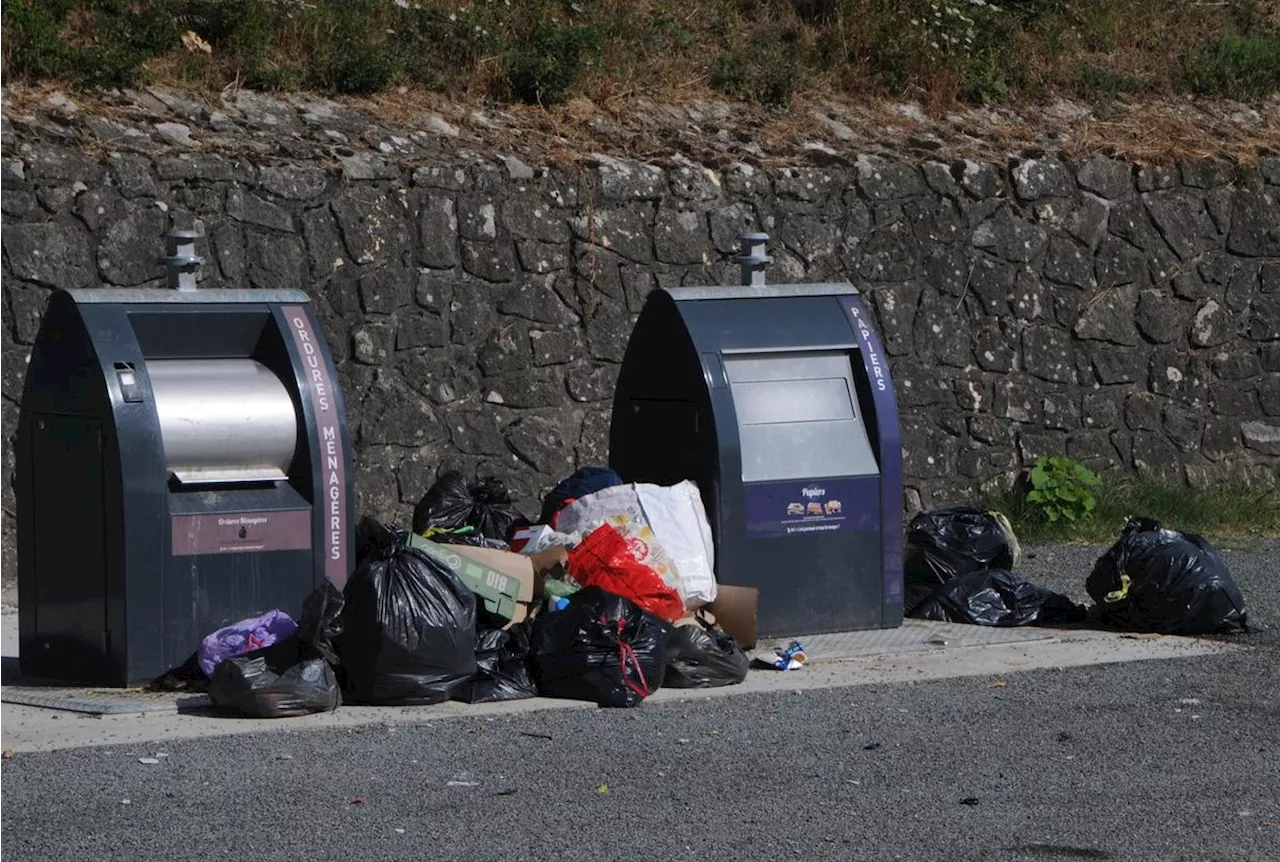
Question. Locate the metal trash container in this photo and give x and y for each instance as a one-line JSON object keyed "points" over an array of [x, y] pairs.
{"points": [[183, 462], [777, 401]]}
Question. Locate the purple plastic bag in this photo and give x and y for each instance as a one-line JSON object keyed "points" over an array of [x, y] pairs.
{"points": [[244, 636]]}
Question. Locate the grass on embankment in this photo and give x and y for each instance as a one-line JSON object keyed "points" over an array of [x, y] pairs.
{"points": [[764, 51], [1223, 514]]}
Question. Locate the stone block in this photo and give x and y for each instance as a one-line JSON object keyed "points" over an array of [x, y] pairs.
{"points": [[881, 179], [1011, 238], [50, 253], [981, 180], [374, 229], [1110, 178], [1048, 353], [1183, 221], [249, 208], [1099, 409], [438, 231], [543, 443], [940, 335], [1046, 177], [1261, 436], [1069, 263], [1119, 263], [1109, 317], [1160, 317], [1183, 427], [896, 309], [294, 182], [130, 250], [1143, 412], [681, 236], [275, 262]]}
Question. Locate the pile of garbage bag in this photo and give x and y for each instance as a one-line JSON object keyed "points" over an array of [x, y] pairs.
{"points": [[504, 666], [959, 561], [700, 655], [958, 567], [478, 605], [613, 595], [292, 676], [997, 597]]}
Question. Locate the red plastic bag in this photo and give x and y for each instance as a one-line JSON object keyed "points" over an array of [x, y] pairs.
{"points": [[605, 560]]}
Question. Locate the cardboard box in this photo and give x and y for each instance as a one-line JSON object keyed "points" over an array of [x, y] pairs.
{"points": [[735, 612], [506, 583], [496, 582]]}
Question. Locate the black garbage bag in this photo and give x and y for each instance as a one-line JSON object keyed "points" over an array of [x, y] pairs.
{"points": [[601, 648], [453, 502], [503, 666], [998, 597], [409, 625], [188, 677], [293, 676], [1159, 580], [703, 657], [948, 543], [587, 480]]}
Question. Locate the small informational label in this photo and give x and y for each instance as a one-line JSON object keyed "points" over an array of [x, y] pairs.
{"points": [[816, 506], [241, 532]]}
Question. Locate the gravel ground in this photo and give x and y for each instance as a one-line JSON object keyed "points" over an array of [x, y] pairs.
{"points": [[1156, 760]]}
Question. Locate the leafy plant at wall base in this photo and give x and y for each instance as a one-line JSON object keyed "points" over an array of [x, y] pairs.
{"points": [[1061, 488]]}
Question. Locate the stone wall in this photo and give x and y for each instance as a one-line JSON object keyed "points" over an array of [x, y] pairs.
{"points": [[477, 308]]}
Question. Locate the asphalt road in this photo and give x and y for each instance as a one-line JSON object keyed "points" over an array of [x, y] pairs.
{"points": [[1155, 760]]}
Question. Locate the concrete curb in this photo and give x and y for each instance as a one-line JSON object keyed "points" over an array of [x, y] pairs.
{"points": [[28, 728]]}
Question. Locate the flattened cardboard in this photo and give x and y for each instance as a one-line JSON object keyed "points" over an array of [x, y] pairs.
{"points": [[506, 563], [547, 561], [530, 571], [735, 612]]}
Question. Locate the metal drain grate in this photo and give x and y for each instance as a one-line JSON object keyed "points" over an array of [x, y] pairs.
{"points": [[101, 701], [911, 636]]}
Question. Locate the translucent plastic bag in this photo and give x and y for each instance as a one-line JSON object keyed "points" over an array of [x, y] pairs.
{"points": [[605, 559], [244, 637], [666, 528]]}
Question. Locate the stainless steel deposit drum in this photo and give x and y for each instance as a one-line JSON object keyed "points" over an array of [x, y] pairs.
{"points": [[223, 420]]}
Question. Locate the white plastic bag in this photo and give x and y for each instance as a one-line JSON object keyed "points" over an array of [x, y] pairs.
{"points": [[666, 528], [679, 524]]}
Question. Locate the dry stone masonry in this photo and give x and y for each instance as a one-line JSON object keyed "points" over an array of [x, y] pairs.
{"points": [[478, 306]]}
